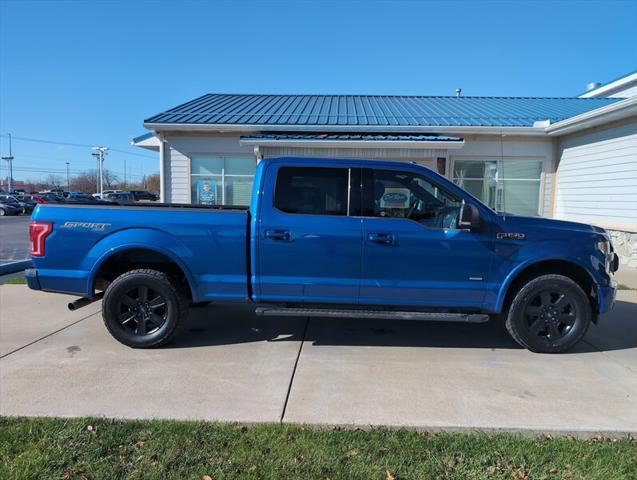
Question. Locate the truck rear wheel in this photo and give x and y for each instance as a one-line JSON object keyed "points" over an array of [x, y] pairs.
{"points": [[142, 308], [549, 314]]}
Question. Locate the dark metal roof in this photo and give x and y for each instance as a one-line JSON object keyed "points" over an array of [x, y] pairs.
{"points": [[376, 111], [349, 137]]}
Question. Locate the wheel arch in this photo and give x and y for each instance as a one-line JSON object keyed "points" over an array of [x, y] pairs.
{"points": [[567, 268], [131, 257]]}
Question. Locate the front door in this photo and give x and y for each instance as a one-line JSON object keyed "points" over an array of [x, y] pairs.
{"points": [[309, 242], [414, 252]]}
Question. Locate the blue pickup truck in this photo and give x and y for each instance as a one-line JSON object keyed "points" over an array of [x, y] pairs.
{"points": [[329, 238]]}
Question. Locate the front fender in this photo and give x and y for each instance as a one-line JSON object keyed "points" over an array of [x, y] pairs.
{"points": [[138, 238], [539, 252]]}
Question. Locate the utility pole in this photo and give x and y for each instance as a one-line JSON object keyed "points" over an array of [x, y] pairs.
{"points": [[68, 182], [9, 159], [99, 152], [125, 174]]}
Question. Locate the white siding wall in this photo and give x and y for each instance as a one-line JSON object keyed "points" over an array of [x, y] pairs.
{"points": [[178, 177], [597, 178]]}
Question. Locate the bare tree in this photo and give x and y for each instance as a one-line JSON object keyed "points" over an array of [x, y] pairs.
{"points": [[53, 181], [152, 183], [88, 182]]}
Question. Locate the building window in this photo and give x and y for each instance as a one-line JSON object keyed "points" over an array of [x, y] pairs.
{"points": [[216, 180], [505, 185]]}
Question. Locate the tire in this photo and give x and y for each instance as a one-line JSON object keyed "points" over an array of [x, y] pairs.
{"points": [[142, 308], [550, 314], [2, 212]]}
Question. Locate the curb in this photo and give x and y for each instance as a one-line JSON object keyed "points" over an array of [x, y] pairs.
{"points": [[14, 267]]}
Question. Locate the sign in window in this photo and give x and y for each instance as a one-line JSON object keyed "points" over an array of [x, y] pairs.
{"points": [[218, 180]]}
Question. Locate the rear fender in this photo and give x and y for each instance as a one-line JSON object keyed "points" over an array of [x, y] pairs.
{"points": [[139, 238]]}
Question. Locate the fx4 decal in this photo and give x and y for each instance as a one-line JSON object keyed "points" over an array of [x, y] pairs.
{"points": [[510, 236]]}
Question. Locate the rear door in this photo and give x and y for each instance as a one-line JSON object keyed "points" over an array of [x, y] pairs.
{"points": [[309, 241], [414, 252]]}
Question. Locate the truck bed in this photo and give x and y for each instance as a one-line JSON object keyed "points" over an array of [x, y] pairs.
{"points": [[207, 242]]}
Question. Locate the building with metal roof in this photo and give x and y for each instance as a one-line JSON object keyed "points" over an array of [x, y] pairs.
{"points": [[572, 158], [364, 111]]}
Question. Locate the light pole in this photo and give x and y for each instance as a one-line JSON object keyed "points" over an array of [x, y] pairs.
{"points": [[68, 182], [99, 152], [9, 159]]}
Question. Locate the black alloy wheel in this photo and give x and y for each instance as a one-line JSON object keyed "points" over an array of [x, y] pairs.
{"points": [[142, 310], [549, 314]]}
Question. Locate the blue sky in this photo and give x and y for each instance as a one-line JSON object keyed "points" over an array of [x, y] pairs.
{"points": [[89, 72]]}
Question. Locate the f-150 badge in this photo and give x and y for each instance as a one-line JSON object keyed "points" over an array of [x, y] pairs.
{"points": [[95, 227], [510, 236]]}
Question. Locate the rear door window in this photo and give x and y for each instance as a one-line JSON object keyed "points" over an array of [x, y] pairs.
{"points": [[312, 191]]}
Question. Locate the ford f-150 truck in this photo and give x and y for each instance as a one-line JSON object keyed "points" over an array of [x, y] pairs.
{"points": [[329, 238]]}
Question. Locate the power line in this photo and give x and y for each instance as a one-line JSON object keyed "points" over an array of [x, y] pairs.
{"points": [[80, 145], [73, 172]]}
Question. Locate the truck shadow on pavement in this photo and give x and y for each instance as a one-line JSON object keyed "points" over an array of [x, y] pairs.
{"points": [[227, 325]]}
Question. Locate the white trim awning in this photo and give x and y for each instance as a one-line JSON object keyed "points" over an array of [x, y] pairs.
{"points": [[148, 141], [334, 140]]}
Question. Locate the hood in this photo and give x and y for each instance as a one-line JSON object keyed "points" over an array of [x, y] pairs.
{"points": [[539, 222]]}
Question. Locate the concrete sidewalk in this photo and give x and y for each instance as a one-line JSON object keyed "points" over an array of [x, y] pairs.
{"points": [[228, 365]]}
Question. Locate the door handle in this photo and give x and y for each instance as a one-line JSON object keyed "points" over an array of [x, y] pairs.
{"points": [[281, 235], [382, 238]]}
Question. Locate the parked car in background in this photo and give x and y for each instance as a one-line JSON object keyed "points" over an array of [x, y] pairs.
{"points": [[85, 198], [46, 198], [26, 202], [119, 197], [105, 193], [57, 191], [26, 206], [144, 195], [8, 207], [11, 200]]}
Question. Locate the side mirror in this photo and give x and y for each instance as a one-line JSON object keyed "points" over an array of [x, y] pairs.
{"points": [[469, 217]]}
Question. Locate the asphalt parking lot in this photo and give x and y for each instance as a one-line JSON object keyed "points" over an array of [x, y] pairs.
{"points": [[229, 365], [14, 238]]}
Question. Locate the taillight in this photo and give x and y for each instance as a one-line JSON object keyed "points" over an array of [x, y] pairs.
{"points": [[38, 231]]}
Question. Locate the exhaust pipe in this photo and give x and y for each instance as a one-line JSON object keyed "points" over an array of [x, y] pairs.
{"points": [[83, 302]]}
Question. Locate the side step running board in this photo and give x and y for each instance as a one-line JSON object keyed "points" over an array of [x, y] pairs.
{"points": [[378, 314]]}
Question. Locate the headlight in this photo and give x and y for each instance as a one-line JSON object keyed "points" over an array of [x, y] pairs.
{"points": [[604, 247]]}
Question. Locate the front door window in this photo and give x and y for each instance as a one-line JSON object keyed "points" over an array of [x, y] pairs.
{"points": [[411, 196]]}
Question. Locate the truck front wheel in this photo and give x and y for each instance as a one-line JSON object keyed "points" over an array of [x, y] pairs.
{"points": [[142, 308], [549, 314]]}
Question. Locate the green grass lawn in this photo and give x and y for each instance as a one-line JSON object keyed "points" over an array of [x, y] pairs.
{"points": [[101, 448]]}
